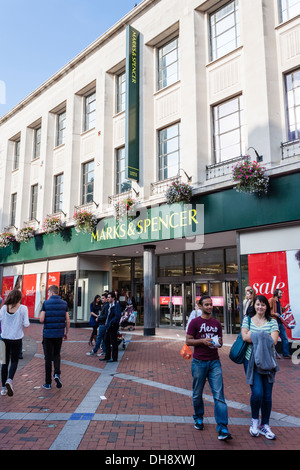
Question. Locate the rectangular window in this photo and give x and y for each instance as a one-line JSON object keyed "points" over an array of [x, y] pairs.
{"points": [[169, 152], [168, 64], [224, 30], [292, 83], [61, 128], [37, 143], [88, 183], [90, 112], [17, 146], [122, 184], [228, 138], [13, 207], [121, 92], [58, 192], [34, 200], [289, 9]]}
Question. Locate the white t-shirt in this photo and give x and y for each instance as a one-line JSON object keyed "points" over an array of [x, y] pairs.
{"points": [[12, 323], [193, 314]]}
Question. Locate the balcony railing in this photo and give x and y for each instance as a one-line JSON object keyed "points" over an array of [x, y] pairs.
{"points": [[160, 187], [290, 149], [217, 170]]}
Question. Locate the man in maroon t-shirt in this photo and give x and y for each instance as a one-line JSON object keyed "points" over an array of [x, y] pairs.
{"points": [[205, 334]]}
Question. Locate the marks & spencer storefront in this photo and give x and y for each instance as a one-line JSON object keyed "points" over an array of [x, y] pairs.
{"points": [[168, 256]]}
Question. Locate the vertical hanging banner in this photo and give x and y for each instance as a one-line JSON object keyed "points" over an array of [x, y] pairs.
{"points": [[132, 104]]}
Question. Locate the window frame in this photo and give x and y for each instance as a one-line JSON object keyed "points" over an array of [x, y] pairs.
{"points": [[16, 161], [217, 149], [33, 201], [287, 10], [121, 92], [89, 116], [161, 68], [58, 193], [61, 131], [214, 48], [294, 107], [37, 142], [13, 209], [120, 172], [162, 155], [85, 194]]}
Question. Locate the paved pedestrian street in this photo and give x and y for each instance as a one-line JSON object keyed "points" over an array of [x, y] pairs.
{"points": [[141, 402]]}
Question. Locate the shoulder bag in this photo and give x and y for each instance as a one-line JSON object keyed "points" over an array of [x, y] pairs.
{"points": [[238, 349]]}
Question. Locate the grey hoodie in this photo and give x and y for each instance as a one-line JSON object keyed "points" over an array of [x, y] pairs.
{"points": [[262, 357]]}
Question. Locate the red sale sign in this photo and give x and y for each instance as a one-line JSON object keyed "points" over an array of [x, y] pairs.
{"points": [[267, 272]]}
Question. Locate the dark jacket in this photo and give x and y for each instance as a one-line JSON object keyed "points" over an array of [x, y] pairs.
{"points": [[103, 314], [55, 317], [114, 316]]}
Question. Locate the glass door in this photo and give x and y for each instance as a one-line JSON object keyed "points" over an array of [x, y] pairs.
{"points": [[176, 305], [164, 304], [232, 323], [217, 295]]}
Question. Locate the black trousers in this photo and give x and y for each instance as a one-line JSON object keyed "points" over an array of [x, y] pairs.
{"points": [[52, 348], [12, 353], [111, 343]]}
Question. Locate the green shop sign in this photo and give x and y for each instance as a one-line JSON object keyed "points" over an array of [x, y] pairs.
{"points": [[157, 223], [150, 224], [132, 125]]}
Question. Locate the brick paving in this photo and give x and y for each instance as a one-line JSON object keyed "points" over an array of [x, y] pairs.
{"points": [[143, 402]]}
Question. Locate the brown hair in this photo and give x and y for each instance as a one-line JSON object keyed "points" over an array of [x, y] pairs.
{"points": [[14, 297], [54, 289]]}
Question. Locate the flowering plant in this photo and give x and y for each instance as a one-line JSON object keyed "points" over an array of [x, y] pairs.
{"points": [[6, 238], [85, 221], [124, 207], [178, 192], [52, 224], [250, 177], [25, 234]]}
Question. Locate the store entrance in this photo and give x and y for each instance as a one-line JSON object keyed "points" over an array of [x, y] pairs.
{"points": [[177, 300]]}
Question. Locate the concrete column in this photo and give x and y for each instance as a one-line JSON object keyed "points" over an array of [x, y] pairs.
{"points": [[149, 290]]}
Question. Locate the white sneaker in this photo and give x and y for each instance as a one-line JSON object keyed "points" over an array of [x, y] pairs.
{"points": [[8, 385], [3, 391], [265, 430], [254, 429]]}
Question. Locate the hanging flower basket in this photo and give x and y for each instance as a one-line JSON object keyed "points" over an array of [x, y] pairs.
{"points": [[250, 177], [53, 224], [124, 207], [85, 221], [178, 192], [25, 234], [6, 238]]}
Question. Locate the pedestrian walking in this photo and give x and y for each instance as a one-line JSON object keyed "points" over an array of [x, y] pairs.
{"points": [[248, 303], [56, 320], [101, 320], [13, 317], [112, 326], [95, 308], [194, 314], [276, 312], [260, 364], [205, 334]]}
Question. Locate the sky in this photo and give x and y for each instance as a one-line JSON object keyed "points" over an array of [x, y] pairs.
{"points": [[39, 37]]}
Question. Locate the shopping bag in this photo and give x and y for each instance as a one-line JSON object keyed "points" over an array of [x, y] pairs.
{"points": [[186, 352], [288, 319]]}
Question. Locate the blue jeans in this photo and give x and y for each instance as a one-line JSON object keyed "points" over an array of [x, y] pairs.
{"points": [[211, 370], [261, 396], [100, 339], [284, 339]]}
